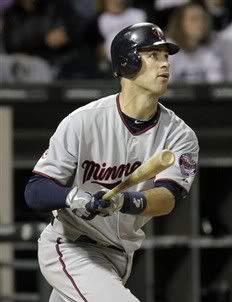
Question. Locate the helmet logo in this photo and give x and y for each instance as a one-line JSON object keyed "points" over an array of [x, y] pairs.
{"points": [[158, 34]]}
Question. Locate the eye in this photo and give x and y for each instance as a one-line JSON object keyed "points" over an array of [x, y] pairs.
{"points": [[153, 54]]}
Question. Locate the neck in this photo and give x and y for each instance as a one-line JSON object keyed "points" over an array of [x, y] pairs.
{"points": [[137, 103]]}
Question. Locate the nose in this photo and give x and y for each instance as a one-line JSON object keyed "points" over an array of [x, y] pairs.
{"points": [[164, 59], [165, 64]]}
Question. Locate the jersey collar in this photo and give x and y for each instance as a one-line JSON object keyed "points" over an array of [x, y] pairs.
{"points": [[136, 126]]}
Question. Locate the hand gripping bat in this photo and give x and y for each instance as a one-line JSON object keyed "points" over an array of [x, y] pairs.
{"points": [[151, 167]]}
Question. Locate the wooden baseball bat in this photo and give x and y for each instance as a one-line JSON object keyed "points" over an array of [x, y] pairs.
{"points": [[151, 167]]}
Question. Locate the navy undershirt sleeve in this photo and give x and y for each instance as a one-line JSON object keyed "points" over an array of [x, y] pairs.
{"points": [[178, 191], [45, 194]]}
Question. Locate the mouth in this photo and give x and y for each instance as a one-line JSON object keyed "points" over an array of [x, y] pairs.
{"points": [[164, 75]]}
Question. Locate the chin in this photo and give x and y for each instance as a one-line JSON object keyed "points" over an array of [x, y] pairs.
{"points": [[159, 91]]}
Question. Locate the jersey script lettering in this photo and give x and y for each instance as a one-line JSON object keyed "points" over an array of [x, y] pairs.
{"points": [[102, 172]]}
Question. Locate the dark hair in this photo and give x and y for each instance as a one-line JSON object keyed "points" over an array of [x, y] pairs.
{"points": [[175, 30]]}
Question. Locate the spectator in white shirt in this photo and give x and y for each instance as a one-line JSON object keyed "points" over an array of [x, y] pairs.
{"points": [[198, 61]]}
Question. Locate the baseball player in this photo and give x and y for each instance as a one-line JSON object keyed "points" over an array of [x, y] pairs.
{"points": [[86, 252]]}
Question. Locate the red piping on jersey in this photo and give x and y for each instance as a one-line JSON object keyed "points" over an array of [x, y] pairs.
{"points": [[170, 180], [58, 242], [41, 174], [156, 119]]}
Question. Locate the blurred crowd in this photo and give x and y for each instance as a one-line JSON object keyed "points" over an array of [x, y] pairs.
{"points": [[48, 40]]}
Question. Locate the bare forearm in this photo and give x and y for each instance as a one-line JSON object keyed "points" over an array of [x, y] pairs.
{"points": [[160, 201]]}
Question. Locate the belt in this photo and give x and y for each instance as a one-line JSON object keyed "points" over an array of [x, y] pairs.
{"points": [[86, 239]]}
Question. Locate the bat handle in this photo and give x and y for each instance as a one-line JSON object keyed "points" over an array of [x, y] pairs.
{"points": [[109, 194]]}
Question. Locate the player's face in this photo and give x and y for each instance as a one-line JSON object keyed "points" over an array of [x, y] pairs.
{"points": [[154, 73]]}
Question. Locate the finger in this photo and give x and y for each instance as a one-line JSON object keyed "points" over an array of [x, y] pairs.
{"points": [[99, 194], [102, 204]]}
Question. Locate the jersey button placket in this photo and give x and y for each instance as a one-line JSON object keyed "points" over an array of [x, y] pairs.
{"points": [[133, 150]]}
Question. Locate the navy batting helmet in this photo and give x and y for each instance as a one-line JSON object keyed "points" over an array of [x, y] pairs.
{"points": [[125, 58]]}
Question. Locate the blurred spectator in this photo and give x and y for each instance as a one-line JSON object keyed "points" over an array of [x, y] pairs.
{"points": [[226, 46], [114, 15], [18, 68], [220, 12], [4, 5], [159, 11], [49, 29], [86, 8], [198, 61]]}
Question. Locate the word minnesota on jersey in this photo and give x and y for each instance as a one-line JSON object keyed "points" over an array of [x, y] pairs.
{"points": [[101, 172]]}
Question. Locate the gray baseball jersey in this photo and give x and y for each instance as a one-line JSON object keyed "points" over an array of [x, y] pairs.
{"points": [[93, 148]]}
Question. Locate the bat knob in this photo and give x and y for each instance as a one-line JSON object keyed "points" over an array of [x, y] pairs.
{"points": [[167, 158]]}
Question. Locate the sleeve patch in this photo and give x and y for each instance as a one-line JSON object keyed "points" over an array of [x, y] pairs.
{"points": [[187, 165]]}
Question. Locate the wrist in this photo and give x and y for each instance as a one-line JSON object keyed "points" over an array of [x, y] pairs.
{"points": [[134, 203]]}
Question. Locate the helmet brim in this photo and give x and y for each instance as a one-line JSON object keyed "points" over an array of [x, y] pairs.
{"points": [[171, 47]]}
